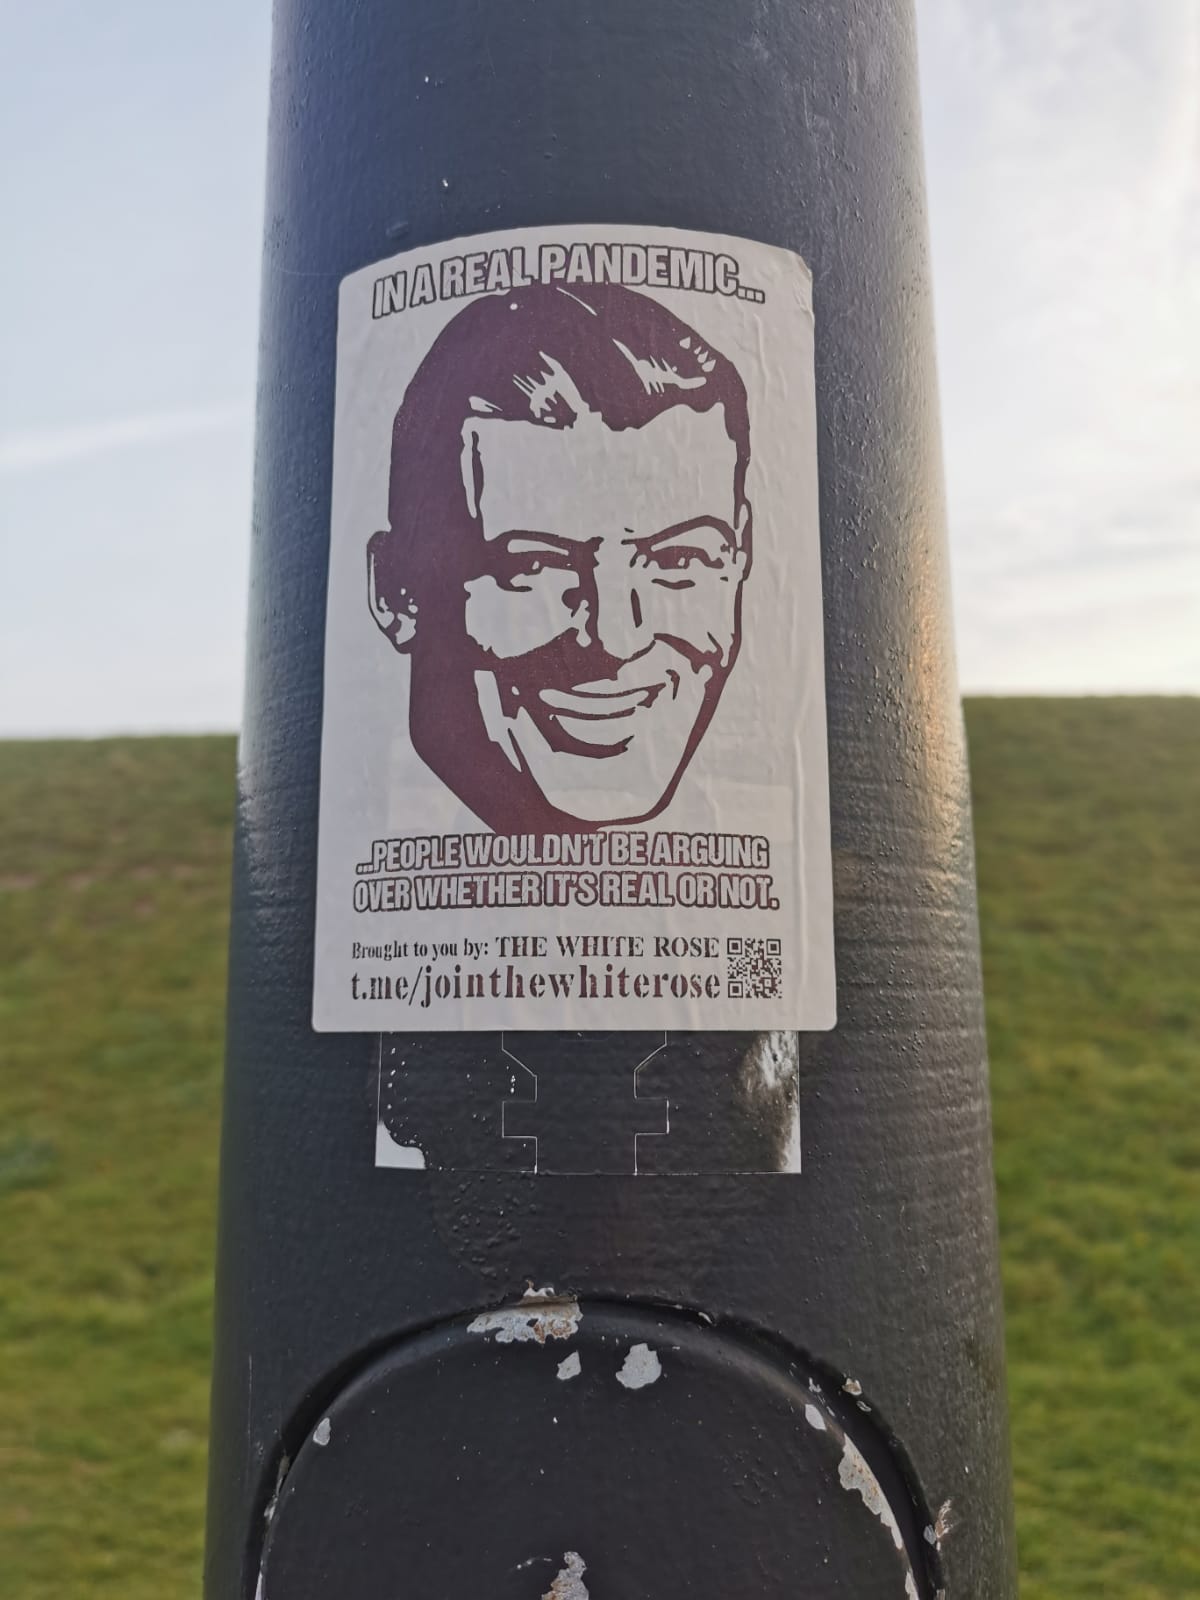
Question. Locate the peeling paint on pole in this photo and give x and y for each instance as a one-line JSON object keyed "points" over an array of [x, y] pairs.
{"points": [[640, 1367], [569, 1584], [537, 1318]]}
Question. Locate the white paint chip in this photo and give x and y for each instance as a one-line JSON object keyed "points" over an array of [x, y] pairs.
{"points": [[539, 1316], [322, 1431], [814, 1419], [641, 1367], [852, 1386], [569, 1584], [273, 1503], [943, 1524], [570, 1367], [856, 1476]]}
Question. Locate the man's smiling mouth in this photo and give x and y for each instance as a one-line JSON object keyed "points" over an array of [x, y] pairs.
{"points": [[596, 709], [594, 703]]}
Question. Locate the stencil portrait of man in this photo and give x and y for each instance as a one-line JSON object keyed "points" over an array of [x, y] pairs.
{"points": [[567, 544]]}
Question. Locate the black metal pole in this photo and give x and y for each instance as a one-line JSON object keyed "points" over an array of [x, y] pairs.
{"points": [[550, 1376]]}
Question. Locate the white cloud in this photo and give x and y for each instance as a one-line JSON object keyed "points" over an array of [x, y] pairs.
{"points": [[32, 449], [122, 605], [1064, 155]]}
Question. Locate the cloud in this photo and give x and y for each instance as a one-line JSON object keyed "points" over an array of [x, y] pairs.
{"points": [[33, 449], [1064, 155]]}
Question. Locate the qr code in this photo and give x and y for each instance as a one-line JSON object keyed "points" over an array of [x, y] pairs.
{"points": [[754, 969]]}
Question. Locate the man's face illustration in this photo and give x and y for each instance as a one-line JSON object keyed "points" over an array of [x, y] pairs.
{"points": [[600, 590], [565, 562]]}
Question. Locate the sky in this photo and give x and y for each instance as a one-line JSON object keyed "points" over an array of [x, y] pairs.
{"points": [[1063, 158]]}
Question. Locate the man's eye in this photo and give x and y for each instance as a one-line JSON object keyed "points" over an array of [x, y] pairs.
{"points": [[521, 566], [678, 558]]}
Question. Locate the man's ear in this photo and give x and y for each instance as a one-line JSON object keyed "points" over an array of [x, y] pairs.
{"points": [[395, 614], [743, 534]]}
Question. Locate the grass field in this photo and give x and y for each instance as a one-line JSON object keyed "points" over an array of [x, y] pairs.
{"points": [[113, 881]]}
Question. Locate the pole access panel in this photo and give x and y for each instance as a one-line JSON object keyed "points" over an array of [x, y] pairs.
{"points": [[606, 1199]]}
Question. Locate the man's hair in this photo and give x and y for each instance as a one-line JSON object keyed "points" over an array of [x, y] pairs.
{"points": [[534, 355]]}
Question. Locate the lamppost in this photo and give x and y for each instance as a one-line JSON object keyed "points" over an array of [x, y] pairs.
{"points": [[606, 1192]]}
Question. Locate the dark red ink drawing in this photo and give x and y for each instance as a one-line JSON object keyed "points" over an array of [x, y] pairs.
{"points": [[568, 539]]}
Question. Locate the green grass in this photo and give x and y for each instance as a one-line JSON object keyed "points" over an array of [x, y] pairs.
{"points": [[1088, 829], [114, 872], [113, 883]]}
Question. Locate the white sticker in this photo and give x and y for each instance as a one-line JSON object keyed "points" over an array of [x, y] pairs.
{"points": [[573, 765]]}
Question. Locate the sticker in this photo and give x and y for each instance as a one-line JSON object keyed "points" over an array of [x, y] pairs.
{"points": [[573, 766]]}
